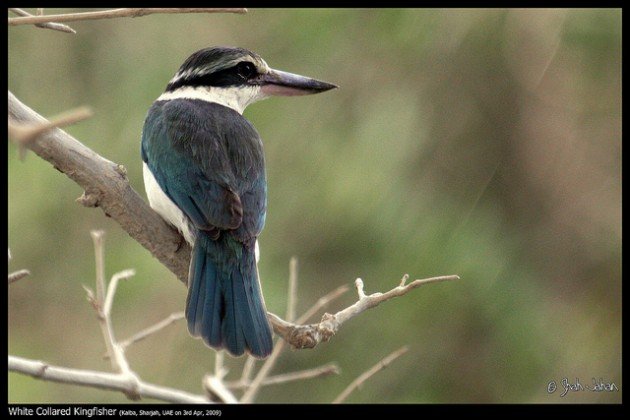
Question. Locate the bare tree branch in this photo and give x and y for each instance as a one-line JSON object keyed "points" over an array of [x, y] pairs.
{"points": [[292, 295], [111, 288], [102, 303], [18, 275], [141, 335], [115, 13], [125, 380], [101, 380], [308, 336], [98, 237], [368, 373], [48, 25]]}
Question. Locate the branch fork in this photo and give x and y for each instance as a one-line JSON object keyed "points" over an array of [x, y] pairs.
{"points": [[308, 336]]}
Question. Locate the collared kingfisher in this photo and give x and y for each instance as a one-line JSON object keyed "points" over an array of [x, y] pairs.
{"points": [[204, 173]]}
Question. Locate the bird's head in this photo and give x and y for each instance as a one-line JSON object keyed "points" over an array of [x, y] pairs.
{"points": [[237, 77]]}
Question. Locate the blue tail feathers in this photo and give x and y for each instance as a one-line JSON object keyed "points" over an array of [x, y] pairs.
{"points": [[225, 305]]}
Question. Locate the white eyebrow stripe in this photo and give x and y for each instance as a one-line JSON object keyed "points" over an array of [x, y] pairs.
{"points": [[260, 64]]}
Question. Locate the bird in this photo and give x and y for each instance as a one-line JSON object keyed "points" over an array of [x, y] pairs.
{"points": [[204, 173]]}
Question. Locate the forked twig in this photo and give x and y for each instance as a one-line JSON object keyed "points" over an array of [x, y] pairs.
{"points": [[47, 25]]}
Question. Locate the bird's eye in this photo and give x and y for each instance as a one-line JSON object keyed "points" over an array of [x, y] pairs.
{"points": [[245, 69]]}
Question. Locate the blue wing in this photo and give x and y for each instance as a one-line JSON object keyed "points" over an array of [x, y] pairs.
{"points": [[209, 161]]}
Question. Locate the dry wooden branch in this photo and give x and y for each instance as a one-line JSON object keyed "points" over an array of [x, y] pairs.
{"points": [[308, 336], [115, 13], [141, 335], [102, 380], [248, 369], [292, 293], [48, 25], [125, 380], [102, 303], [18, 275]]}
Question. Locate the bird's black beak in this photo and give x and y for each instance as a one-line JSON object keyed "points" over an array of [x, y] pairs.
{"points": [[281, 83]]}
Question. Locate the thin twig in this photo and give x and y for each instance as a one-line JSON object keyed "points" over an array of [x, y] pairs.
{"points": [[329, 369], [322, 302], [141, 335], [103, 306], [217, 390], [24, 134], [115, 13], [368, 373], [292, 295], [219, 369], [48, 25], [18, 275], [111, 289], [98, 237], [100, 380], [248, 368], [358, 283]]}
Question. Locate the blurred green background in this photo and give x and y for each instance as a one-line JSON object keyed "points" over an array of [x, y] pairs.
{"points": [[483, 143]]}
